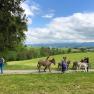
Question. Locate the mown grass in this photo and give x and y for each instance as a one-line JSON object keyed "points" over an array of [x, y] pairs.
{"points": [[72, 83], [31, 64]]}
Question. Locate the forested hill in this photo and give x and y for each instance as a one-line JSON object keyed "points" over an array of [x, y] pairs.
{"points": [[69, 45]]}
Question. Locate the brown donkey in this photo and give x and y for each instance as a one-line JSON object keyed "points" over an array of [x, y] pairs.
{"points": [[46, 64]]}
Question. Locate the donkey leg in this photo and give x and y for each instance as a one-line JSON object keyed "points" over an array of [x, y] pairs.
{"points": [[67, 67], [87, 69], [45, 69], [58, 66], [39, 68], [49, 69]]}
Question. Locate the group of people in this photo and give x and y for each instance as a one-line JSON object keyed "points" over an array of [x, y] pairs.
{"points": [[64, 63]]}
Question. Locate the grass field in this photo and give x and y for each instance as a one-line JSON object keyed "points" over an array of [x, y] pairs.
{"points": [[31, 64], [72, 83], [68, 83]]}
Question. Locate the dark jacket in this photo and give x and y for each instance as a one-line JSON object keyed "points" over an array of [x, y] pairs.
{"points": [[64, 65]]}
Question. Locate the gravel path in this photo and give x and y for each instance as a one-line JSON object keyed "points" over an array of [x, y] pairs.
{"points": [[36, 71]]}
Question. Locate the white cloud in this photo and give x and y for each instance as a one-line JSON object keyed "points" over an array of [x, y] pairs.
{"points": [[29, 20], [50, 15], [31, 9], [78, 27]]}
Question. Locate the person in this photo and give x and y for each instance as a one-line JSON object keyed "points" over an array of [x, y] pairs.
{"points": [[1, 64], [64, 64], [86, 60], [47, 58]]}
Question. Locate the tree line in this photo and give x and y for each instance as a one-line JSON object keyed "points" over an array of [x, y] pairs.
{"points": [[25, 52]]}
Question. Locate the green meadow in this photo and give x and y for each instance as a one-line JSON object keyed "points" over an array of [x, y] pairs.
{"points": [[68, 83], [32, 63]]}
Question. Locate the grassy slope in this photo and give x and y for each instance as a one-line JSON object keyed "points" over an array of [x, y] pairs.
{"points": [[75, 83], [31, 64]]}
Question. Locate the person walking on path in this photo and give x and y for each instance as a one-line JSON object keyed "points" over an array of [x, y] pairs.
{"points": [[64, 64], [1, 64], [47, 58]]}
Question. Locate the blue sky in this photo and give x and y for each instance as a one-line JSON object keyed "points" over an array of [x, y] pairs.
{"points": [[59, 21]]}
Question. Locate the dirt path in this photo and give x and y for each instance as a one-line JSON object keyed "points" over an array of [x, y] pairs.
{"points": [[36, 71]]}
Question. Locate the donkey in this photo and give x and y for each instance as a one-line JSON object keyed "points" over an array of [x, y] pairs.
{"points": [[46, 64]]}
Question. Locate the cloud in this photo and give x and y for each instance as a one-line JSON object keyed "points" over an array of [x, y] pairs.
{"points": [[51, 15], [30, 9], [29, 20], [78, 27]]}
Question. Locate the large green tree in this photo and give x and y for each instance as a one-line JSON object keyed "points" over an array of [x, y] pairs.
{"points": [[12, 24]]}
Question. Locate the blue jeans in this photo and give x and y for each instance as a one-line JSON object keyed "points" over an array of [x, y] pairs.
{"points": [[1, 68]]}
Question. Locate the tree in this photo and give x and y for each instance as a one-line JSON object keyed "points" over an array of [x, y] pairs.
{"points": [[82, 49], [12, 24], [69, 50]]}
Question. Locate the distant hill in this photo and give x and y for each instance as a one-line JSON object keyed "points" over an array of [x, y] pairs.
{"points": [[67, 45]]}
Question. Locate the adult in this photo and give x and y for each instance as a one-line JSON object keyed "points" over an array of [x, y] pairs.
{"points": [[1, 64], [47, 58], [64, 64]]}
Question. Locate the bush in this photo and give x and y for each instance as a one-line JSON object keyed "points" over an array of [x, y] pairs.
{"points": [[12, 55]]}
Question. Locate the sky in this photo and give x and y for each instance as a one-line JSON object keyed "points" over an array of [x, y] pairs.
{"points": [[59, 21]]}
